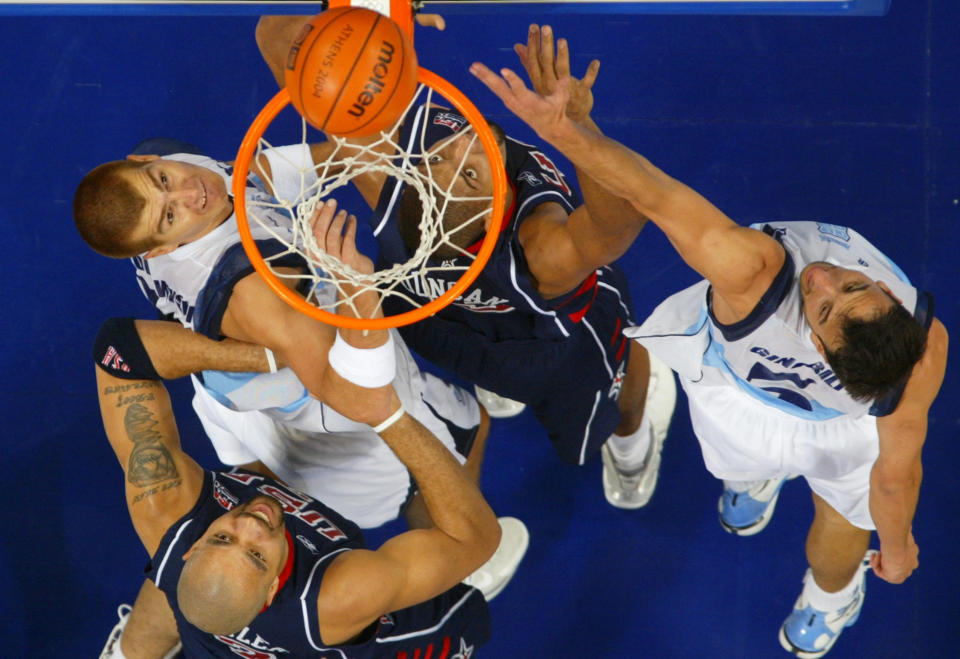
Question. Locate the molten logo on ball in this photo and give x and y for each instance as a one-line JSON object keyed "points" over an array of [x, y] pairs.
{"points": [[375, 83], [351, 72]]}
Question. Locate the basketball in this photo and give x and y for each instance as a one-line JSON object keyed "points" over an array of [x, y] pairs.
{"points": [[351, 72]]}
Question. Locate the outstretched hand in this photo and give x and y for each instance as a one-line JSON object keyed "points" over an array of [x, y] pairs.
{"points": [[546, 69], [544, 113], [336, 235]]}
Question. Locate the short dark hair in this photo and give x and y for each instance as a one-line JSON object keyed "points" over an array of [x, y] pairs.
{"points": [[877, 354], [106, 209]]}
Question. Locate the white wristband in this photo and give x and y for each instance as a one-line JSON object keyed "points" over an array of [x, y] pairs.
{"points": [[271, 360], [364, 367], [392, 419]]}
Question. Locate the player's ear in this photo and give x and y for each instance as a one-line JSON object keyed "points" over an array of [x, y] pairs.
{"points": [[886, 289], [189, 552], [142, 158], [272, 592], [818, 344]]}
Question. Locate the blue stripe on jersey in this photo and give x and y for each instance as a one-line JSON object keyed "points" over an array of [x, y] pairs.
{"points": [[221, 384], [766, 307], [233, 266], [714, 356]]}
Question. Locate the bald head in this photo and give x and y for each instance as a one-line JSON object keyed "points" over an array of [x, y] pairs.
{"points": [[217, 598]]}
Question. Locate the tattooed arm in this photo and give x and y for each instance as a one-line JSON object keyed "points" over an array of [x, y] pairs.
{"points": [[162, 482]]}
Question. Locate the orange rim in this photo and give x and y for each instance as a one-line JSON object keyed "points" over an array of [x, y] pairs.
{"points": [[242, 168]]}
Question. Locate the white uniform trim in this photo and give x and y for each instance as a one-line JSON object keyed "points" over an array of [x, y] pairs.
{"points": [[307, 627], [586, 428], [428, 630], [170, 547]]}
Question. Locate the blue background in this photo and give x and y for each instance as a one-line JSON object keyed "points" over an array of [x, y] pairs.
{"points": [[851, 120]]}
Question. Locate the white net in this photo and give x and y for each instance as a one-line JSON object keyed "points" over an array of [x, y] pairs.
{"points": [[434, 171]]}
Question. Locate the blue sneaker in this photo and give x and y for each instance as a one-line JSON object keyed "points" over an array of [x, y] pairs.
{"points": [[748, 511], [810, 633]]}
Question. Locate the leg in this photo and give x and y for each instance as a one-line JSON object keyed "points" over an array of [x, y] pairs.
{"points": [[150, 631], [835, 547], [633, 395], [631, 456], [834, 586]]}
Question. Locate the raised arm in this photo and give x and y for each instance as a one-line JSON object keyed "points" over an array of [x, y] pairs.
{"points": [[255, 314], [162, 482], [898, 471], [562, 251], [739, 262], [412, 567]]}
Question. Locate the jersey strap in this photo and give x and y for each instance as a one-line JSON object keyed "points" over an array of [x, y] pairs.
{"points": [[233, 266]]}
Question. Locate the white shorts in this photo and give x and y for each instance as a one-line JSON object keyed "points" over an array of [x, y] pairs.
{"points": [[744, 440], [353, 472]]}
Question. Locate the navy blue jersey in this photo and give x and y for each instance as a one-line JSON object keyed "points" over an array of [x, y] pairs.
{"points": [[502, 303], [565, 357], [289, 627]]}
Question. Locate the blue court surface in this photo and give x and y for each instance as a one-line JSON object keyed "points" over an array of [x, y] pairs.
{"points": [[850, 120]]}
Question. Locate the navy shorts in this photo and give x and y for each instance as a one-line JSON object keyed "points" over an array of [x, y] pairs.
{"points": [[572, 384]]}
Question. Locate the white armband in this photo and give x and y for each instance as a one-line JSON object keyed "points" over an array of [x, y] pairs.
{"points": [[390, 420], [364, 367], [271, 360], [287, 164]]}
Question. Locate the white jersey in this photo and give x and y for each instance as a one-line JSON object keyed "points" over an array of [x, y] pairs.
{"points": [[305, 442], [769, 355]]}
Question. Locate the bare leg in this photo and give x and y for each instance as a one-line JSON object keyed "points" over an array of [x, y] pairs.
{"points": [[417, 515], [633, 395], [835, 547], [151, 630]]}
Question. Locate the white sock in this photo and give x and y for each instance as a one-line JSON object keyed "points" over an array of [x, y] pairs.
{"points": [[630, 452], [824, 601]]}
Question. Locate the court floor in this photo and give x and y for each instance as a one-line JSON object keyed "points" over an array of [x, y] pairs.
{"points": [[851, 120]]}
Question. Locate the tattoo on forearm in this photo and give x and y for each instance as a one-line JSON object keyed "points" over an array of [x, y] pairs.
{"points": [[150, 462]]}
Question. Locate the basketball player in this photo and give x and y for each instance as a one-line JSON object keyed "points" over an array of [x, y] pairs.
{"points": [[173, 214], [242, 564], [542, 323], [804, 351]]}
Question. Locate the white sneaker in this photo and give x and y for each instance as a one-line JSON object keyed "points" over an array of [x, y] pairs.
{"points": [[113, 641], [631, 489], [497, 406], [494, 575], [112, 647], [808, 632]]}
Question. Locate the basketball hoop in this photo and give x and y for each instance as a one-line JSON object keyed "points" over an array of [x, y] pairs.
{"points": [[348, 160]]}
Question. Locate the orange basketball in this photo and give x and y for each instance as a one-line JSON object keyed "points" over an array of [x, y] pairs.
{"points": [[351, 72]]}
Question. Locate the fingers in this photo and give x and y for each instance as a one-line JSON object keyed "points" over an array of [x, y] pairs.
{"points": [[591, 75], [431, 20], [494, 83], [328, 226], [546, 49], [563, 58]]}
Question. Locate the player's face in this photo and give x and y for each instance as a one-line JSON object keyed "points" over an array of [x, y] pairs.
{"points": [[249, 540], [832, 293], [462, 160], [184, 201]]}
